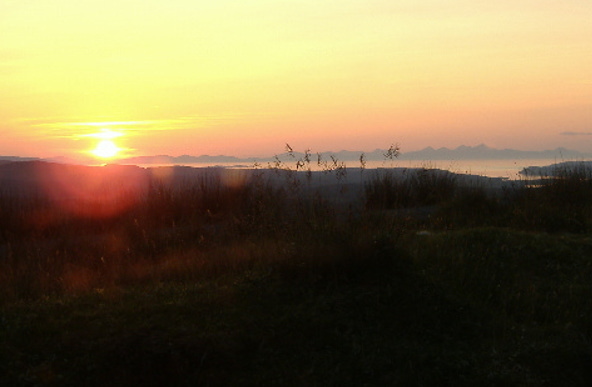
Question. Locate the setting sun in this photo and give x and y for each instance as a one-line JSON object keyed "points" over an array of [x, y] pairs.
{"points": [[105, 149]]}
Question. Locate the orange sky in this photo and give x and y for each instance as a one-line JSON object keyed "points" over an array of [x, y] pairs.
{"points": [[243, 78]]}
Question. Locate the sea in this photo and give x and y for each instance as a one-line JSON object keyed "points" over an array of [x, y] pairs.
{"points": [[497, 168]]}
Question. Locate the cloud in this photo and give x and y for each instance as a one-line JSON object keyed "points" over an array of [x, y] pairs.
{"points": [[576, 133], [77, 130], [52, 128]]}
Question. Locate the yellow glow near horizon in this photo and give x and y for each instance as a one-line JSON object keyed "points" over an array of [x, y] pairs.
{"points": [[106, 134]]}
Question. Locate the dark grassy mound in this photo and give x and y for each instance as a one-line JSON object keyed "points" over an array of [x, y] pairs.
{"points": [[260, 284]]}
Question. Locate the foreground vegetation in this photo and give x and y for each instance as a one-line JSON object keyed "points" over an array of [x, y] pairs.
{"points": [[425, 282]]}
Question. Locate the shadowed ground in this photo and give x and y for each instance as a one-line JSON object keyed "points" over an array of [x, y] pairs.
{"points": [[281, 278]]}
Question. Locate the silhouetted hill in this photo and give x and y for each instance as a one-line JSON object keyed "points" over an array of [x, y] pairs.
{"points": [[558, 169], [10, 159], [180, 160], [65, 184]]}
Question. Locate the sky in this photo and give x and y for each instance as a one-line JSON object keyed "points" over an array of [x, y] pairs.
{"points": [[244, 78]]}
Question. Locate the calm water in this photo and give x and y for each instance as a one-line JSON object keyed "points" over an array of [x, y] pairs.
{"points": [[491, 168]]}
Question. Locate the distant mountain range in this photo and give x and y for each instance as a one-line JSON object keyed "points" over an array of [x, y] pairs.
{"points": [[483, 152], [185, 159], [480, 152]]}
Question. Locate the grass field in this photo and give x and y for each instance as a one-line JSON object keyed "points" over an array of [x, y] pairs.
{"points": [[423, 281]]}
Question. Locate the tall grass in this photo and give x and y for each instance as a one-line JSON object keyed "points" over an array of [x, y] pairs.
{"points": [[45, 250], [172, 227], [561, 202], [421, 187], [558, 203]]}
